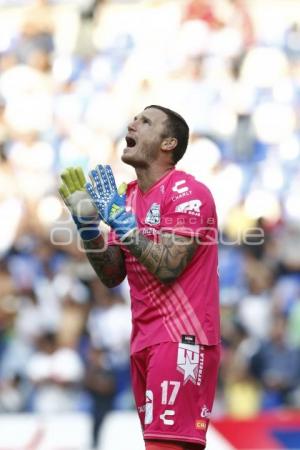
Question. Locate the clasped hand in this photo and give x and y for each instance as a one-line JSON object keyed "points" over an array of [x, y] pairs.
{"points": [[109, 201]]}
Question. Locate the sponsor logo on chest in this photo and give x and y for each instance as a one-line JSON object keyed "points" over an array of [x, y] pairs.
{"points": [[180, 189], [191, 207]]}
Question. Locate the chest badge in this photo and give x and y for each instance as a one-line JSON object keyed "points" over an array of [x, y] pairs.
{"points": [[153, 215]]}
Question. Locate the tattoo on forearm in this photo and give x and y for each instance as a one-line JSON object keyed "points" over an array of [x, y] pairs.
{"points": [[166, 259], [108, 264]]}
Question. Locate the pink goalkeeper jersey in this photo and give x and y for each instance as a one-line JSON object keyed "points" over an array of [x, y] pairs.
{"points": [[186, 310]]}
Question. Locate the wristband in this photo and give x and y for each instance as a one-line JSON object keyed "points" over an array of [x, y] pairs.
{"points": [[123, 223], [127, 234], [87, 228]]}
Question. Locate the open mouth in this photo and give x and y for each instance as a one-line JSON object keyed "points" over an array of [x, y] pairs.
{"points": [[131, 142]]}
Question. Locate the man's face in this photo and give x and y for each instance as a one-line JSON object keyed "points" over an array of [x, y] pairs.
{"points": [[145, 134]]}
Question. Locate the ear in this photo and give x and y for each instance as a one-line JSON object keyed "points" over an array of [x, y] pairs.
{"points": [[169, 144]]}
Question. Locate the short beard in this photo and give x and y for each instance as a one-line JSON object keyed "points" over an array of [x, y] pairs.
{"points": [[134, 163]]}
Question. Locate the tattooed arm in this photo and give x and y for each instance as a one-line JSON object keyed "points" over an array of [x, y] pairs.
{"points": [[166, 259], [107, 261]]}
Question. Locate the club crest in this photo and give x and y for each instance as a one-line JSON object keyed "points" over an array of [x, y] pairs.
{"points": [[153, 215]]}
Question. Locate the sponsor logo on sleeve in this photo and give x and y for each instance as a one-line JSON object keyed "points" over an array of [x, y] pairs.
{"points": [[191, 207]]}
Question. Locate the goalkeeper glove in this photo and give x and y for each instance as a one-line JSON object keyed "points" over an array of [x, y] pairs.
{"points": [[75, 197], [110, 202]]}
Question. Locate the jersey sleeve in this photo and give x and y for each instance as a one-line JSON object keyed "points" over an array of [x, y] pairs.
{"points": [[189, 210]]}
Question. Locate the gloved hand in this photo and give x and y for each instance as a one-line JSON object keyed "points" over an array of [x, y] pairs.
{"points": [[110, 202], [74, 195]]}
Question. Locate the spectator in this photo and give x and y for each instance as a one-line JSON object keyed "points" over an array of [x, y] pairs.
{"points": [[276, 364], [56, 374], [100, 381]]}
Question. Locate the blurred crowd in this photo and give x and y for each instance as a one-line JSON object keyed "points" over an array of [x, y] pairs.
{"points": [[72, 75]]}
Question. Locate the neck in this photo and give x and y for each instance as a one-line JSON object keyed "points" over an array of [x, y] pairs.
{"points": [[146, 177]]}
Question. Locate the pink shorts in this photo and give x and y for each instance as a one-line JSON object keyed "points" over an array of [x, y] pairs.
{"points": [[174, 386]]}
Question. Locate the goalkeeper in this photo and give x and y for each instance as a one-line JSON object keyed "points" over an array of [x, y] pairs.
{"points": [[164, 239]]}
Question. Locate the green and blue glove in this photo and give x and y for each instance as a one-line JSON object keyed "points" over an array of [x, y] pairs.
{"points": [[110, 202], [82, 209]]}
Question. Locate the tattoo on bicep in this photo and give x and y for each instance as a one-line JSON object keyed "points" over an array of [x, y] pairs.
{"points": [[108, 264], [165, 259], [178, 251]]}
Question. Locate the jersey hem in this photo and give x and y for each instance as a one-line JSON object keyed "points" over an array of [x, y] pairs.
{"points": [[174, 437]]}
